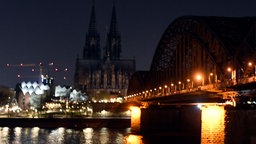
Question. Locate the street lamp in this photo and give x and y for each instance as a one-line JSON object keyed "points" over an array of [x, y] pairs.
{"points": [[150, 92], [160, 90], [165, 89], [210, 78], [229, 69], [199, 80], [172, 89], [198, 77], [232, 76], [250, 64], [188, 80], [179, 85]]}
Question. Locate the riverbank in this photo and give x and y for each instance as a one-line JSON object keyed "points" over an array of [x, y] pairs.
{"points": [[79, 123]]}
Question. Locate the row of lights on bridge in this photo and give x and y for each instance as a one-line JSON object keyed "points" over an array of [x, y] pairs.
{"points": [[199, 78], [250, 64], [173, 87]]}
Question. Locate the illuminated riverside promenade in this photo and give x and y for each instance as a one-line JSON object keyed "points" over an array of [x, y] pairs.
{"points": [[216, 125], [164, 122]]}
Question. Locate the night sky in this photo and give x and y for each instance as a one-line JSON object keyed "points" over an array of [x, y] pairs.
{"points": [[34, 31]]}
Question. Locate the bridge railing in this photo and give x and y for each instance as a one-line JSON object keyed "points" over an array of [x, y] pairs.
{"points": [[216, 87], [148, 95]]}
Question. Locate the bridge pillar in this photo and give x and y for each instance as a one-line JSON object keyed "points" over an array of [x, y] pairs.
{"points": [[168, 119]]}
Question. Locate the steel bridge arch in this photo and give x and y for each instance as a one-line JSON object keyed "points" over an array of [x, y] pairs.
{"points": [[193, 44]]}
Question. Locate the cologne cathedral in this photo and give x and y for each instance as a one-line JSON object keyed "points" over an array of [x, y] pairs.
{"points": [[103, 74]]}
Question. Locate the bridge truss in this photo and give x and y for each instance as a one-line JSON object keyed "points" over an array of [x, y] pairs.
{"points": [[196, 51]]}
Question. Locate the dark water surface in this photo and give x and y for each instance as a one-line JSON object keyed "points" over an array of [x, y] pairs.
{"points": [[218, 126], [62, 135]]}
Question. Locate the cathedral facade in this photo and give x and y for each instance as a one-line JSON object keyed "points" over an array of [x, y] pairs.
{"points": [[103, 74]]}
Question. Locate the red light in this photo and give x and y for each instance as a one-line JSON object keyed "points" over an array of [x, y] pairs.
{"points": [[32, 70], [56, 69], [18, 76], [64, 78], [21, 64]]}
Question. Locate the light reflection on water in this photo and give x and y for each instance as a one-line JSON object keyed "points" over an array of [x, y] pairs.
{"points": [[88, 134], [17, 134], [218, 126], [235, 126], [4, 133], [134, 139], [213, 125], [62, 135]]}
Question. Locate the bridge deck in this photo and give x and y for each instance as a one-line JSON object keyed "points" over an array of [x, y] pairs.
{"points": [[191, 97]]}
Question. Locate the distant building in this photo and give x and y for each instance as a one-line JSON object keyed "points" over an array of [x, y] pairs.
{"points": [[35, 95], [107, 74], [32, 94]]}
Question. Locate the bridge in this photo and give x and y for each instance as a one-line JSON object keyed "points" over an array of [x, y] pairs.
{"points": [[199, 61], [199, 58]]}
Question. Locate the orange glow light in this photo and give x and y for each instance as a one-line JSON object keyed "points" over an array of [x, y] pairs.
{"points": [[250, 64], [198, 77], [135, 118]]}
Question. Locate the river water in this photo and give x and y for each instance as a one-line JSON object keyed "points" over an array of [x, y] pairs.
{"points": [[62, 135], [218, 126]]}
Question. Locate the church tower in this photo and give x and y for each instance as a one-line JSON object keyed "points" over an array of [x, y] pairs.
{"points": [[113, 42], [92, 40], [104, 76]]}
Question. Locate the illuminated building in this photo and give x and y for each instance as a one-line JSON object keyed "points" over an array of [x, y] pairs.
{"points": [[103, 75], [32, 94]]}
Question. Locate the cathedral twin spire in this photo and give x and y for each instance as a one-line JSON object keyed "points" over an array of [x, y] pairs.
{"points": [[92, 39], [92, 42]]}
